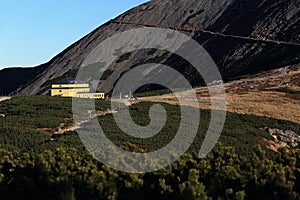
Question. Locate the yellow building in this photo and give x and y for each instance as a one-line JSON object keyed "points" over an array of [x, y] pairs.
{"points": [[72, 89], [90, 95]]}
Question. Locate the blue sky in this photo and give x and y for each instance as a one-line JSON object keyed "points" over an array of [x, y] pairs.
{"points": [[34, 31]]}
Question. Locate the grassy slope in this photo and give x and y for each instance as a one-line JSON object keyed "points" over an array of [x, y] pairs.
{"points": [[29, 122], [27, 118]]}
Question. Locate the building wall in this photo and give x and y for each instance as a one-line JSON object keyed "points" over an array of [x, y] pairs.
{"points": [[69, 90], [66, 92], [91, 95], [75, 90]]}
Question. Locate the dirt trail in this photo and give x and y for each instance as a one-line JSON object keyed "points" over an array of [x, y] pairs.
{"points": [[195, 30], [78, 125], [4, 98]]}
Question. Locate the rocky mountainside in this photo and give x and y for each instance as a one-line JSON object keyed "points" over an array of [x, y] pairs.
{"points": [[276, 20]]}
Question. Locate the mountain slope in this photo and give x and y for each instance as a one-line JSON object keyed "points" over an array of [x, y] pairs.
{"points": [[260, 19], [11, 78]]}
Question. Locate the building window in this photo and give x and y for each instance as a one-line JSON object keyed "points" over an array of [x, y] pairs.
{"points": [[60, 90]]}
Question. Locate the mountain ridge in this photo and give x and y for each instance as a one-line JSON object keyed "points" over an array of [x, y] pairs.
{"points": [[265, 19]]}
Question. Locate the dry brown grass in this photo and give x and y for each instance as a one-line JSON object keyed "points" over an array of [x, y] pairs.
{"points": [[257, 95], [273, 145]]}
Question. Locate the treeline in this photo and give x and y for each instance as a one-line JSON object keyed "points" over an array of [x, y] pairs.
{"points": [[223, 174]]}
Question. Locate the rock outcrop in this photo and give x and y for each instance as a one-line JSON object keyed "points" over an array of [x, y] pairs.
{"points": [[287, 138]]}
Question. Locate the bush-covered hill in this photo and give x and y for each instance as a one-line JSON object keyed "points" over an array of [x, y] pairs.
{"points": [[30, 121], [223, 174], [33, 167]]}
